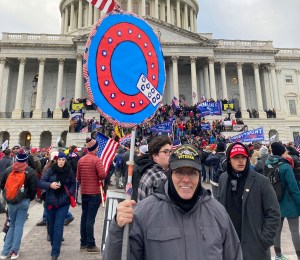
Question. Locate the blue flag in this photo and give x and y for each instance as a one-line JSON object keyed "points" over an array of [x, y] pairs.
{"points": [[162, 128]]}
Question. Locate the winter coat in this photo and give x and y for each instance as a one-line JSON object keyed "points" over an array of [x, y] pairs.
{"points": [[30, 183], [90, 171], [217, 164], [141, 164], [51, 198], [260, 211], [260, 218], [290, 203], [260, 164], [161, 230]]}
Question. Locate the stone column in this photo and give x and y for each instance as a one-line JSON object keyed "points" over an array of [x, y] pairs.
{"points": [[195, 22], [260, 107], [168, 11], [283, 106], [194, 80], [62, 24], [17, 113], [269, 96], [171, 89], [163, 11], [2, 66], [80, 14], [96, 14], [178, 22], [242, 90], [192, 19], [78, 82], [66, 19], [72, 17], [175, 76], [156, 9], [275, 87], [213, 91], [37, 113], [201, 84], [206, 80], [143, 7], [129, 5], [90, 15], [186, 17], [223, 79], [57, 112]]}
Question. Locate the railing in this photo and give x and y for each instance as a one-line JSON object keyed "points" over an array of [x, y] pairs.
{"points": [[289, 51], [5, 114], [26, 114], [26, 37], [242, 43]]}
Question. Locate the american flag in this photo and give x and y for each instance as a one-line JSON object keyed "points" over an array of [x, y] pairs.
{"points": [[106, 6], [176, 143], [107, 148], [62, 101], [203, 98]]}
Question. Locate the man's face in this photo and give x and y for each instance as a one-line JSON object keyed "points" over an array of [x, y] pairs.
{"points": [[238, 162], [185, 181], [15, 150], [162, 158]]}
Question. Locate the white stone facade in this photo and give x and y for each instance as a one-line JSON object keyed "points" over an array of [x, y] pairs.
{"points": [[254, 73]]}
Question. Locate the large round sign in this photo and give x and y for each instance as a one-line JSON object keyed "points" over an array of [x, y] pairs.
{"points": [[124, 69]]}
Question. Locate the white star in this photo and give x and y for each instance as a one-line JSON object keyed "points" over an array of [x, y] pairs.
{"points": [[150, 53], [130, 31], [152, 66], [106, 82], [122, 103], [141, 102], [132, 104], [110, 40], [148, 86], [103, 68], [113, 95], [144, 79], [145, 44], [153, 77], [139, 36], [104, 53], [119, 33]]}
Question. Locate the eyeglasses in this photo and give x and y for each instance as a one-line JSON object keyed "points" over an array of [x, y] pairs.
{"points": [[180, 173], [233, 185], [167, 152]]}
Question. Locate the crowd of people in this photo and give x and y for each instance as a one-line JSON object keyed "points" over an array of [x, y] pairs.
{"points": [[240, 217]]}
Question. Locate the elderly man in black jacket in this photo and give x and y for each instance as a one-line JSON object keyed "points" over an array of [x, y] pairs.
{"points": [[251, 203]]}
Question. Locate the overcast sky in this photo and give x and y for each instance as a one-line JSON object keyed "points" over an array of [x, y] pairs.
{"points": [[276, 20]]}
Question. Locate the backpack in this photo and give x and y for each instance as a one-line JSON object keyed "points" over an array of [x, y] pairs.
{"points": [[271, 171], [13, 190], [219, 168], [118, 161]]}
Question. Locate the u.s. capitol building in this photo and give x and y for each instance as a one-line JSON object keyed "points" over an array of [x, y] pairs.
{"points": [[253, 73]]}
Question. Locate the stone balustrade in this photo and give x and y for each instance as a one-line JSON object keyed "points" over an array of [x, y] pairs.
{"points": [[242, 43], [27, 37]]}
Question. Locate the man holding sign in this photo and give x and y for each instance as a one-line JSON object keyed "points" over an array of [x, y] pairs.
{"points": [[180, 220]]}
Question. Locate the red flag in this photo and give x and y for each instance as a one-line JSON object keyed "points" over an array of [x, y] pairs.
{"points": [[107, 148], [106, 6]]}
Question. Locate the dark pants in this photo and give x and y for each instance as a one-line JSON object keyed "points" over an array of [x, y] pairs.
{"points": [[90, 205], [56, 218]]}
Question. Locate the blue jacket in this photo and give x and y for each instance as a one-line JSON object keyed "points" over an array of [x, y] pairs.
{"points": [[290, 203], [51, 199]]}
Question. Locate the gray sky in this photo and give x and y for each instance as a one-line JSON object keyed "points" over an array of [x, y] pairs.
{"points": [[276, 20]]}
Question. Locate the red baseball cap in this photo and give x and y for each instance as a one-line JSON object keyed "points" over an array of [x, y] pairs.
{"points": [[238, 149]]}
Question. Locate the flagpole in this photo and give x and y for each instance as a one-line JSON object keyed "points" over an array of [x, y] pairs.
{"points": [[128, 192]]}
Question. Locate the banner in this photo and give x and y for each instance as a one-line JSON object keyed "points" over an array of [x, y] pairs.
{"points": [[162, 128], [4, 145], [210, 108], [238, 128], [255, 135], [205, 126], [77, 106]]}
